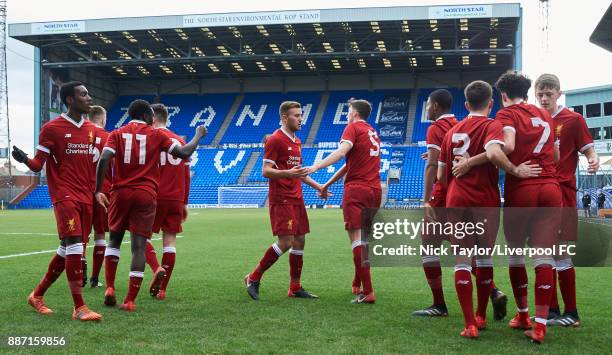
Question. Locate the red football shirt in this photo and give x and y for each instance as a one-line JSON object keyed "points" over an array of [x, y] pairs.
{"points": [[363, 160], [574, 136], [470, 137], [100, 142], [284, 152], [534, 142], [174, 172], [137, 147], [69, 146], [434, 138]]}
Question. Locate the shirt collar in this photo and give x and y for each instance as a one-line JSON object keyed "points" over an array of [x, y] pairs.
{"points": [[559, 109], [288, 135], [67, 118], [445, 116], [138, 121]]}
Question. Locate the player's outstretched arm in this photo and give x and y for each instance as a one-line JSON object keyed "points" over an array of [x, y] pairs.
{"points": [[269, 172], [101, 168], [462, 165], [333, 158], [35, 164], [186, 150], [593, 160], [496, 155], [324, 192]]}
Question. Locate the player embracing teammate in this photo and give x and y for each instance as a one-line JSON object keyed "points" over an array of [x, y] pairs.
{"points": [[136, 148]]}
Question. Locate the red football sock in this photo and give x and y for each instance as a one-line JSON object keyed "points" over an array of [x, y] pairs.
{"points": [[98, 257], [567, 285], [111, 261], [296, 260], [362, 264], [543, 288], [434, 279], [356, 280], [518, 279], [484, 278], [135, 282], [463, 286], [554, 299], [168, 260], [55, 269], [151, 256], [269, 258], [74, 272]]}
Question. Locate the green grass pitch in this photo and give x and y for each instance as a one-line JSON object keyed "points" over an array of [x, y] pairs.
{"points": [[208, 310]]}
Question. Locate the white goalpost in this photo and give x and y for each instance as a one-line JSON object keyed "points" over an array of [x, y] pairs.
{"points": [[241, 196]]}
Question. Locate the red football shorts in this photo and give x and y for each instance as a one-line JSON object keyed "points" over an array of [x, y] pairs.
{"points": [[73, 219], [100, 217], [533, 212], [169, 216], [569, 222], [289, 220], [355, 200], [485, 217], [132, 209]]}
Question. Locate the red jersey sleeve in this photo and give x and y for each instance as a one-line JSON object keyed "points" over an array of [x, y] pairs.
{"points": [[494, 134], [166, 143], [434, 137], [271, 150], [111, 143], [583, 137], [443, 152], [349, 135], [506, 119], [46, 140]]}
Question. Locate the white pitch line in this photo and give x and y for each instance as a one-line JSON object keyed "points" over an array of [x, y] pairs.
{"points": [[55, 250]]}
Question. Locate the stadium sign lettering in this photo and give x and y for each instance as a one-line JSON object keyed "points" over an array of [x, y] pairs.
{"points": [[57, 27], [442, 12], [254, 18]]}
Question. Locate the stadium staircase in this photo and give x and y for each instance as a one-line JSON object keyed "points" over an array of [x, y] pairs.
{"points": [[244, 177], [411, 116], [316, 123], [228, 119]]}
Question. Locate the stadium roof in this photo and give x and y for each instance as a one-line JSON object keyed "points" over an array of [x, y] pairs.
{"points": [[602, 35], [360, 40]]}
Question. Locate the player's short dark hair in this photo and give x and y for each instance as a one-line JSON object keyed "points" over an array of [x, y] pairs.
{"points": [[139, 108], [514, 84], [95, 112], [478, 94], [442, 97], [285, 106], [363, 108], [67, 90], [161, 112], [548, 81]]}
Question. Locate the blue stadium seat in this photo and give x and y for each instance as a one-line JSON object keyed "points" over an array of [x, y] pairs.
{"points": [[38, 198], [458, 109], [334, 118], [258, 116], [185, 112]]}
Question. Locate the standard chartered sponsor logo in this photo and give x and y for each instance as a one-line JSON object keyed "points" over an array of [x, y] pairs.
{"points": [[78, 148]]}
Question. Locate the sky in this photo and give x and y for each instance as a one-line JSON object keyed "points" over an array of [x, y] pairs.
{"points": [[571, 56]]}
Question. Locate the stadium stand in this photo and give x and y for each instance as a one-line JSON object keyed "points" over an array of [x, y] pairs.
{"points": [[38, 198], [458, 109], [335, 116], [258, 116], [185, 112]]}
